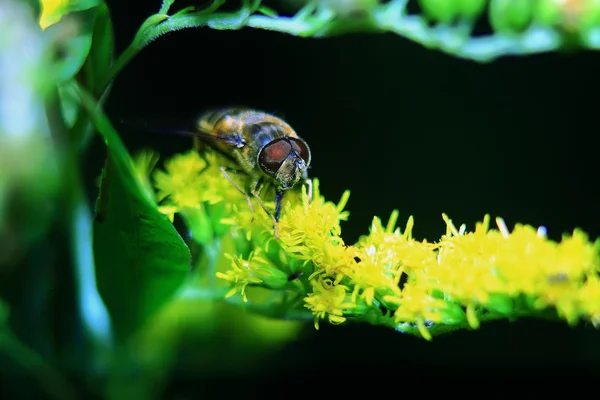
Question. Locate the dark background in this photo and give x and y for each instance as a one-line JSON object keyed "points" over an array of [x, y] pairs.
{"points": [[403, 128]]}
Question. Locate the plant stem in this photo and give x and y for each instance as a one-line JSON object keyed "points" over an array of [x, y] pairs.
{"points": [[272, 310]]}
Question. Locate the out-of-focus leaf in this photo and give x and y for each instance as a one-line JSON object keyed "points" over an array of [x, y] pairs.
{"points": [[69, 104], [141, 261], [100, 57], [71, 39], [30, 171]]}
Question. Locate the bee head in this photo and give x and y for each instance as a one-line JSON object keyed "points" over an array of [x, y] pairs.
{"points": [[285, 160]]}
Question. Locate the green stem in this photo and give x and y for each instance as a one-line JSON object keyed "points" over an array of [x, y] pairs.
{"points": [[322, 23], [273, 309], [166, 4], [51, 380], [442, 329], [270, 309]]}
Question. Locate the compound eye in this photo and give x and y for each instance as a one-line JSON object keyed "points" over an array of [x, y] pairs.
{"points": [[301, 148], [273, 155]]}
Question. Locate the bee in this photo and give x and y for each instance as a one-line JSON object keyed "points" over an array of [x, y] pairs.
{"points": [[262, 146]]}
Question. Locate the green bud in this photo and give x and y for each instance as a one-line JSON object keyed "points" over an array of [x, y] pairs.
{"points": [[360, 308], [548, 13], [272, 277], [590, 15], [452, 314], [444, 11], [471, 9], [509, 16], [501, 304]]}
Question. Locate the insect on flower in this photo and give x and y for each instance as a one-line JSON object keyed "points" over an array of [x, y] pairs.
{"points": [[261, 146]]}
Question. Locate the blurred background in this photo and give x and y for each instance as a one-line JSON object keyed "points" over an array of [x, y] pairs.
{"points": [[403, 128]]}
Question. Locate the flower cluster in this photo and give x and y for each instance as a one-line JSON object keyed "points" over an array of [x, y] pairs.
{"points": [[387, 277]]}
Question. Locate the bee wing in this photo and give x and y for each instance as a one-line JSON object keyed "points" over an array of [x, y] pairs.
{"points": [[205, 135]]}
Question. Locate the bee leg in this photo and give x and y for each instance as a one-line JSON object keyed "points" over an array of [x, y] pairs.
{"points": [[278, 199], [309, 190], [256, 194], [234, 183], [198, 145]]}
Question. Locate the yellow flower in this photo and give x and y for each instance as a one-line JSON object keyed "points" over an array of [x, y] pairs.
{"points": [[328, 300], [416, 304], [310, 223], [371, 275], [589, 299], [475, 269], [189, 180], [310, 232], [474, 266], [52, 11], [466, 267], [253, 271], [385, 254], [530, 262], [181, 179]]}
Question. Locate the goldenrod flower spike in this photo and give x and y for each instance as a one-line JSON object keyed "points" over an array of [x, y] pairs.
{"points": [[387, 277]]}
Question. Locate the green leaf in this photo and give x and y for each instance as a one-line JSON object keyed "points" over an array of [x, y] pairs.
{"points": [[69, 104], [141, 37], [100, 56], [72, 40], [184, 11], [97, 60], [141, 261]]}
